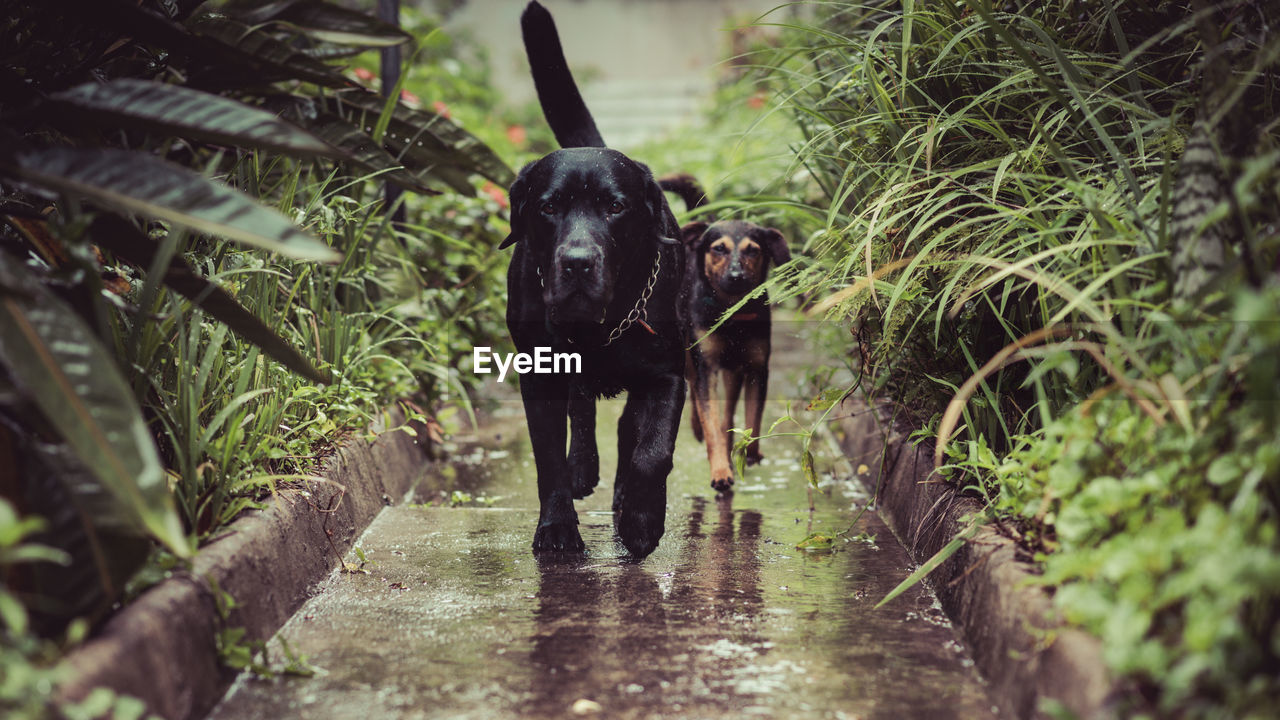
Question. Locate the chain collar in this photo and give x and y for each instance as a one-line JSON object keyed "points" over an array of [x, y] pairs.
{"points": [[639, 312]]}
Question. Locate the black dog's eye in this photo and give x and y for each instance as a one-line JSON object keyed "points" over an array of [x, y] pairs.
{"points": [[616, 207], [548, 208]]}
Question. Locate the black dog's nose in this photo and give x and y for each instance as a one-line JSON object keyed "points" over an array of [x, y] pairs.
{"points": [[577, 263]]}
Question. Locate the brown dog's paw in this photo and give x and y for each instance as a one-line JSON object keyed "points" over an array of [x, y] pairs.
{"points": [[722, 481], [558, 537]]}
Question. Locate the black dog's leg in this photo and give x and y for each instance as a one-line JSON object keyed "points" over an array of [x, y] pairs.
{"points": [[627, 432], [546, 400], [584, 460], [652, 415]]}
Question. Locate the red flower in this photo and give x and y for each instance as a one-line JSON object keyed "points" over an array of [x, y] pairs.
{"points": [[441, 109], [410, 99], [363, 74], [756, 101], [517, 135], [498, 194]]}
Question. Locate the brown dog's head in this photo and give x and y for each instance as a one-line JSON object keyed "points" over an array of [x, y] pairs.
{"points": [[734, 255]]}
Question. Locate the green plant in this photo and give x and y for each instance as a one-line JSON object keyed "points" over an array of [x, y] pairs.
{"points": [[118, 109], [1037, 223]]}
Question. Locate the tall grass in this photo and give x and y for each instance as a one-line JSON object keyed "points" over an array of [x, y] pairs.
{"points": [[1000, 202], [977, 194]]}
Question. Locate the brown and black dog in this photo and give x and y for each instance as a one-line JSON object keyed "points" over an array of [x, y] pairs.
{"points": [[725, 261]]}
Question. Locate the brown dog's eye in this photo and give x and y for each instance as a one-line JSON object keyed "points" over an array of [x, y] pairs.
{"points": [[616, 207], [720, 249], [751, 251], [547, 208]]}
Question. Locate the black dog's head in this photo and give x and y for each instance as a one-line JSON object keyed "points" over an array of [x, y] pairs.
{"points": [[586, 216], [734, 255]]}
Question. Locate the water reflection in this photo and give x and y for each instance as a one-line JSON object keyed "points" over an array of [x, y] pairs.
{"points": [[660, 636]]}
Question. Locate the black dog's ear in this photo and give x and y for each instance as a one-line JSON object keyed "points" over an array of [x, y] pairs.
{"points": [[776, 246], [516, 195], [664, 222], [692, 232]]}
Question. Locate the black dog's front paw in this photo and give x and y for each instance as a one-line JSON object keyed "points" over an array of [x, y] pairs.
{"points": [[585, 480], [639, 530], [558, 537]]}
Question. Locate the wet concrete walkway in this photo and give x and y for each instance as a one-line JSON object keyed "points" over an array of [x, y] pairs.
{"points": [[454, 617]]}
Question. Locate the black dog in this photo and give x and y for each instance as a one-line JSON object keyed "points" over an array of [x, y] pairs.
{"points": [[596, 271], [726, 261]]}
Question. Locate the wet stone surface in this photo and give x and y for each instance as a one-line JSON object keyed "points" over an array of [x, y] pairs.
{"points": [[454, 617]]}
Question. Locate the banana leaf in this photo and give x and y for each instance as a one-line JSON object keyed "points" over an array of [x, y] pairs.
{"points": [[85, 524], [225, 54], [278, 58], [426, 140], [55, 360], [330, 23], [134, 182], [366, 153], [180, 111]]}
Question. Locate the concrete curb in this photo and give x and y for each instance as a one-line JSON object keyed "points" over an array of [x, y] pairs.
{"points": [[161, 648], [1023, 652]]}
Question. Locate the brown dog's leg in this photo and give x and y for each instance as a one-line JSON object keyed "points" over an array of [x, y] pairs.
{"points": [[757, 386], [706, 381], [732, 390]]}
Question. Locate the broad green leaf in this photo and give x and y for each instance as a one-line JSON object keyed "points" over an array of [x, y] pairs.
{"points": [[189, 113], [216, 54], [275, 55], [12, 614], [33, 553], [127, 242], [135, 182], [427, 139], [330, 23], [817, 542], [57, 361], [367, 153], [806, 465]]}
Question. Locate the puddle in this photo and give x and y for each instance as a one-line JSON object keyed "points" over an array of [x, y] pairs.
{"points": [[456, 618]]}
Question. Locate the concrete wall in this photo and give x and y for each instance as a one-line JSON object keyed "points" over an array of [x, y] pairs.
{"points": [[642, 64]]}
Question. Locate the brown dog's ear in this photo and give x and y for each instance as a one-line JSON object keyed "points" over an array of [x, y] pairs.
{"points": [[519, 189], [691, 232], [776, 246]]}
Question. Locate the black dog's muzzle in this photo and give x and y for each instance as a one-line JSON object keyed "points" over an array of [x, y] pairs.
{"points": [[577, 288]]}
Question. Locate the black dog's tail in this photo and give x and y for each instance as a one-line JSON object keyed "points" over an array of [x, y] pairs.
{"points": [[684, 185], [562, 104]]}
